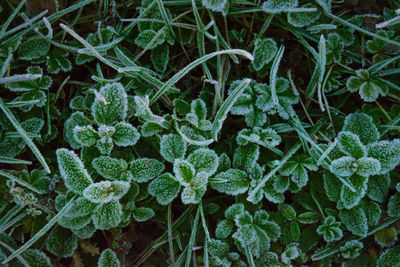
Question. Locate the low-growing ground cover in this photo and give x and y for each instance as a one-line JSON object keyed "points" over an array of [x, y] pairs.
{"points": [[199, 133]]}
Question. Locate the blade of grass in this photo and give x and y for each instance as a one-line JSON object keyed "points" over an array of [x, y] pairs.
{"points": [[24, 136], [273, 74], [19, 181], [9, 160], [192, 238]]}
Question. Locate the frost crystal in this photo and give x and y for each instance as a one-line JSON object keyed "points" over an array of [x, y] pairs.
{"points": [[361, 125], [172, 147], [232, 182], [145, 169], [215, 5], [106, 191], [165, 188], [264, 52], [278, 6]]}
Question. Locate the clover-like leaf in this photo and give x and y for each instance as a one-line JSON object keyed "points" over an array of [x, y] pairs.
{"points": [[291, 252], [172, 147], [278, 6], [330, 230], [112, 168], [165, 188], [363, 126], [387, 152], [204, 160], [108, 258], [57, 60], [105, 145], [369, 87], [110, 105], [232, 182], [224, 229], [351, 145], [76, 177], [334, 48], [108, 215], [192, 195], [215, 5], [61, 242], [264, 52], [145, 169], [232, 211], [355, 220], [351, 249], [302, 19], [36, 258], [85, 135], [106, 191]]}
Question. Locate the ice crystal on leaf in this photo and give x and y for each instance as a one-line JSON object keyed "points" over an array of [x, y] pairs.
{"points": [[264, 52], [107, 216], [108, 258], [264, 137], [215, 5], [106, 191], [198, 115], [387, 152], [302, 19], [172, 147], [369, 86], [165, 188], [363, 126], [231, 182], [145, 169], [330, 229]]}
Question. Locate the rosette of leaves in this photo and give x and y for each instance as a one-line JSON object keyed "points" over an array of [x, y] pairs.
{"points": [[97, 202], [109, 110], [334, 48], [191, 173], [286, 98], [100, 39], [330, 229], [32, 90], [368, 84], [250, 231], [297, 169]]}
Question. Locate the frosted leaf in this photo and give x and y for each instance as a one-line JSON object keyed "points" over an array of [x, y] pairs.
{"points": [[278, 6], [369, 92], [224, 229], [36, 258], [334, 48], [160, 57], [125, 134], [85, 135], [368, 166], [351, 145], [330, 229], [144, 38], [372, 211], [111, 168], [110, 105], [106, 130], [76, 119], [232, 182], [234, 210], [351, 249], [394, 205], [390, 257], [57, 60], [108, 258], [387, 152], [199, 180], [302, 19], [325, 4], [218, 248], [355, 221], [105, 145], [150, 129], [184, 172], [272, 195], [308, 217], [142, 214], [198, 115], [264, 137], [370, 87], [378, 187], [107, 216], [145, 169], [246, 156], [172, 147], [344, 166], [192, 195], [255, 118], [165, 188], [291, 252], [85, 232], [349, 198], [61, 242], [33, 49], [80, 207], [264, 52], [76, 177], [243, 104], [386, 237], [215, 5], [281, 183], [246, 235], [269, 259], [362, 125], [224, 163], [106, 191], [204, 160], [74, 223]]}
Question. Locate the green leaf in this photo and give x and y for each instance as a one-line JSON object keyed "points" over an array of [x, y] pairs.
{"points": [[142, 214], [363, 126], [394, 205], [215, 5], [349, 198], [378, 187], [332, 187], [85, 135], [231, 182], [390, 257], [111, 168], [351, 145], [172, 147], [61, 242], [302, 19], [368, 166], [145, 169], [287, 211], [308, 217], [191, 195], [355, 221], [145, 37], [351, 249], [107, 216], [76, 119], [106, 191], [33, 48], [108, 258], [388, 154], [246, 156], [386, 237], [224, 229], [372, 211], [344, 166], [165, 188], [263, 53], [278, 6], [36, 258], [125, 134], [204, 160], [110, 105], [80, 207], [75, 223], [198, 115], [330, 229], [105, 145], [160, 57], [76, 177]]}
